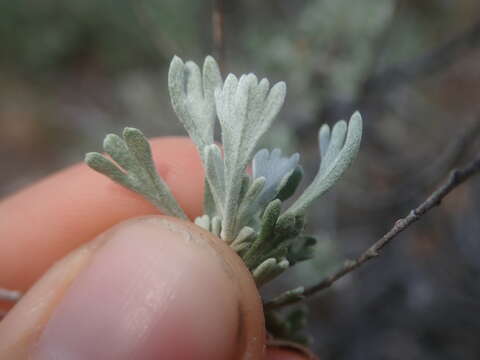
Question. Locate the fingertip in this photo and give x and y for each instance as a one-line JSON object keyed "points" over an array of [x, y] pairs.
{"points": [[47, 220], [179, 164], [158, 288]]}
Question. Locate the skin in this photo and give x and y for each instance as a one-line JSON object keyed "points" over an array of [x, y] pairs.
{"points": [[106, 278]]}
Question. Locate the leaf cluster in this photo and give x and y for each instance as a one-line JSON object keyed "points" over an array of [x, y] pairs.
{"points": [[244, 209]]}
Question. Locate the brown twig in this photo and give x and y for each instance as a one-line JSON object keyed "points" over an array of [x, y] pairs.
{"points": [[457, 177], [218, 31]]}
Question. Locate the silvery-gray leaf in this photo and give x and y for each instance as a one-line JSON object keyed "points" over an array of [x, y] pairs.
{"points": [[216, 225], [249, 207], [245, 235], [262, 242], [337, 157], [288, 188], [203, 221], [268, 270], [275, 169], [240, 247], [209, 206], [324, 139], [263, 271], [245, 112], [192, 96], [335, 143], [214, 172], [246, 183], [137, 172], [244, 210]]}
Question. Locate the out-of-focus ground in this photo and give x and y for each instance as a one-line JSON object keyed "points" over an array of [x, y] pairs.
{"points": [[71, 71]]}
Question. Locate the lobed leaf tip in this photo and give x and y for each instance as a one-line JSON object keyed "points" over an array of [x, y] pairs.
{"points": [[92, 157], [130, 131]]}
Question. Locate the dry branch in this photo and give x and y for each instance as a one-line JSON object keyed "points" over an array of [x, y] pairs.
{"points": [[456, 178]]}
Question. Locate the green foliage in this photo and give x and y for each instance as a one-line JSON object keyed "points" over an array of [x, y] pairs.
{"points": [[244, 210], [290, 327], [135, 169]]}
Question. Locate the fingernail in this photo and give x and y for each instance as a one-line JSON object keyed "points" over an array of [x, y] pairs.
{"points": [[153, 290]]}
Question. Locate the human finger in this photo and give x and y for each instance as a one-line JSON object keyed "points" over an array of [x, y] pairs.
{"points": [[47, 220]]}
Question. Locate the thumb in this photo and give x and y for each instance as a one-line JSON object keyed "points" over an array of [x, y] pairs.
{"points": [[149, 288]]}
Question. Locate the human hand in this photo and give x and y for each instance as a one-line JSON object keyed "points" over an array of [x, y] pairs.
{"points": [[148, 288]]}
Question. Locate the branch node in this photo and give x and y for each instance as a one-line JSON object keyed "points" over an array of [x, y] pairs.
{"points": [[349, 263], [372, 253], [457, 177]]}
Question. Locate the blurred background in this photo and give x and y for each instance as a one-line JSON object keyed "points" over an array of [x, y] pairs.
{"points": [[71, 71]]}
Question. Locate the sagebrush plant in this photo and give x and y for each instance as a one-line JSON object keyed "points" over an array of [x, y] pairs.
{"points": [[243, 208]]}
